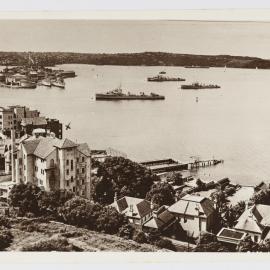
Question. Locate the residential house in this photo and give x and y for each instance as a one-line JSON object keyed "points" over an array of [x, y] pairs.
{"points": [[142, 213], [255, 221], [194, 213], [138, 211]]}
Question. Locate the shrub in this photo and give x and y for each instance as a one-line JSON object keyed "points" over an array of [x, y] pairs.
{"points": [[139, 237], [126, 231], [165, 243], [56, 243], [5, 238], [4, 222]]}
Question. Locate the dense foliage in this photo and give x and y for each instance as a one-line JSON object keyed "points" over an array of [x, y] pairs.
{"points": [[121, 176], [161, 194], [261, 197], [25, 196], [5, 238], [176, 178], [82, 213]]}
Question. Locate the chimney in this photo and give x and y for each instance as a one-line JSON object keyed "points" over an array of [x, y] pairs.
{"points": [[246, 205], [131, 208], [115, 197]]}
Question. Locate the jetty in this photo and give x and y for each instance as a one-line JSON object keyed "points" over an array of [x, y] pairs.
{"points": [[170, 165]]}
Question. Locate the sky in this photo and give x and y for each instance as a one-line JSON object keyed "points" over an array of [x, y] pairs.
{"points": [[193, 37]]}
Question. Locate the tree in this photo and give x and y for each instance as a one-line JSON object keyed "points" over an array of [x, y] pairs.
{"points": [[232, 213], [122, 176], [176, 178], [200, 184], [80, 212], [126, 231], [110, 221], [49, 202], [161, 194], [140, 237], [25, 196], [261, 197]]}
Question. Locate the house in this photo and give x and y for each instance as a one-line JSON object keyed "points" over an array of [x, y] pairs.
{"points": [[143, 214], [194, 213], [52, 164], [138, 211], [255, 221], [161, 219]]}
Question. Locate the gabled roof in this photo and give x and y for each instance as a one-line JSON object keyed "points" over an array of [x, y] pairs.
{"points": [[132, 207], [254, 219], [193, 205], [84, 149], [30, 146], [66, 143], [45, 147], [162, 219]]}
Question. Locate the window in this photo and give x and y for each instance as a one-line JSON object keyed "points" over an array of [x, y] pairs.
{"points": [[41, 182], [256, 238], [77, 159], [71, 179], [82, 181], [20, 161], [67, 183], [67, 162], [71, 165], [78, 171], [24, 167], [20, 171], [83, 170], [74, 189], [82, 159], [67, 171]]}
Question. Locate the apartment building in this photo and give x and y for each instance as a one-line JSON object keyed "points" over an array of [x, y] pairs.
{"points": [[6, 119], [52, 164]]}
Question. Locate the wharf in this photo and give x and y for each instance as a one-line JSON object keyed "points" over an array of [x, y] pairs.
{"points": [[170, 165]]}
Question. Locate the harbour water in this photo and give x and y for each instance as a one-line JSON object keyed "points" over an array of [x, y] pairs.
{"points": [[231, 123]]}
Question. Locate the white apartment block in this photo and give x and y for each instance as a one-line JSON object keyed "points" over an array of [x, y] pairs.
{"points": [[52, 164]]}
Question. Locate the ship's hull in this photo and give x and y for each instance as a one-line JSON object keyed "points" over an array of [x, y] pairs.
{"points": [[130, 97], [15, 86], [60, 85], [45, 83], [190, 87], [165, 80]]}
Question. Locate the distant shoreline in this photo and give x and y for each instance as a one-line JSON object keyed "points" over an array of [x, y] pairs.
{"points": [[134, 59]]}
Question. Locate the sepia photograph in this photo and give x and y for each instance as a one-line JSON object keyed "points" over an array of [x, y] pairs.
{"points": [[134, 135]]}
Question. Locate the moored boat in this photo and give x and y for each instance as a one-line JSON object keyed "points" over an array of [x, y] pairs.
{"points": [[59, 83], [117, 94], [197, 86], [161, 78], [46, 82]]}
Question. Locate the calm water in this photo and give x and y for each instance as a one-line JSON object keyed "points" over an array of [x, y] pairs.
{"points": [[232, 123]]}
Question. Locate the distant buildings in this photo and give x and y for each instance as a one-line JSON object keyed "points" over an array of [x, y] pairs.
{"points": [[194, 213], [51, 164], [24, 121]]}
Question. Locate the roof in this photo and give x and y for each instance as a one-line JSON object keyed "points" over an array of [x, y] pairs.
{"points": [[43, 146], [193, 205], [84, 149], [254, 219], [66, 143], [230, 236], [35, 121], [162, 219], [132, 207]]}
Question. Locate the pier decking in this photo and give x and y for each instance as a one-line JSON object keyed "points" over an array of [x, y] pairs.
{"points": [[169, 164]]}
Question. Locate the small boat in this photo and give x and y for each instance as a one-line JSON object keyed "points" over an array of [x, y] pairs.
{"points": [[197, 66], [59, 83], [162, 72], [46, 82]]}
